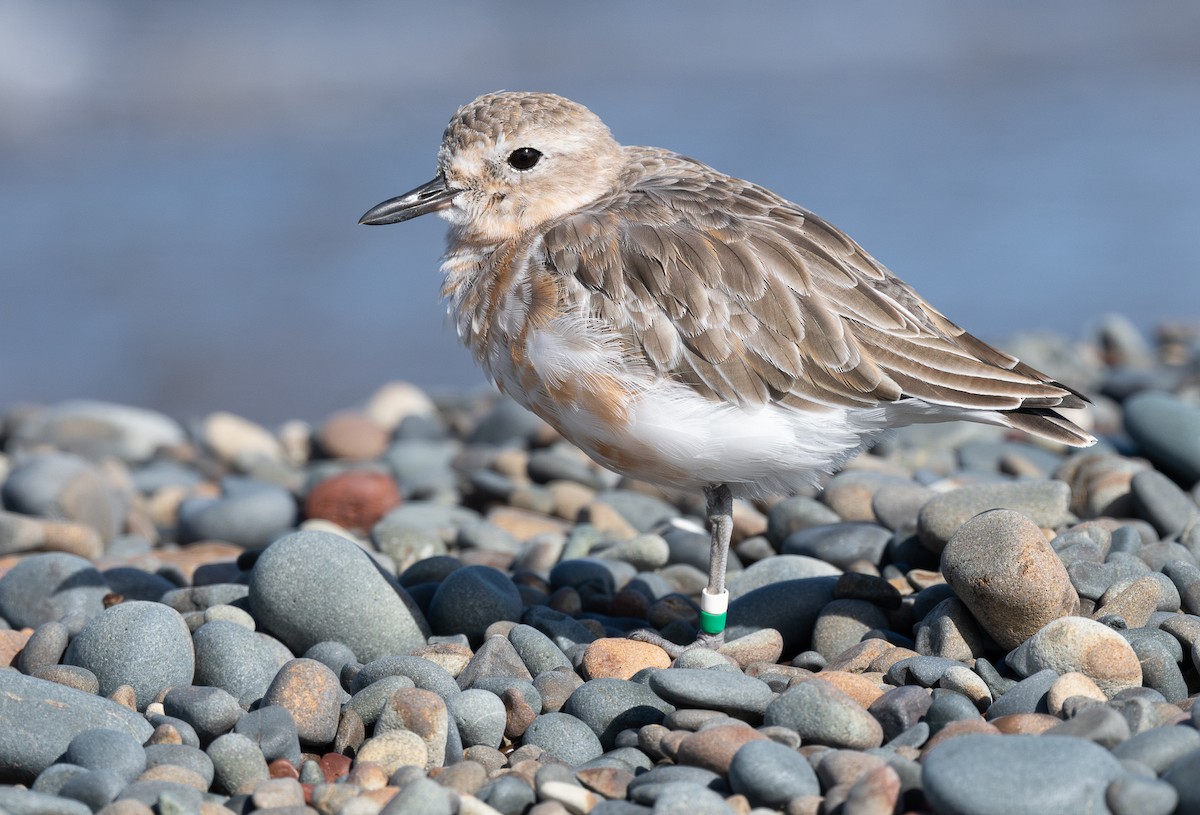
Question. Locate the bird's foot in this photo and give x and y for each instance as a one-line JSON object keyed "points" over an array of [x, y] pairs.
{"points": [[674, 650]]}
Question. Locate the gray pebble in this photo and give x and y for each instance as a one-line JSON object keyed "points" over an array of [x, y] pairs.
{"points": [[770, 775], [422, 466], [609, 706], [949, 631], [508, 794], [51, 586], [947, 706], [925, 671], [479, 716], [899, 709], [563, 630], [484, 535], [180, 755], [790, 607], [777, 569], [368, 702], [840, 544], [1159, 747], [842, 624], [1027, 696], [201, 598], [44, 648], [1167, 431], [1043, 502], [334, 655], [420, 797], [312, 586], [1134, 795], [235, 659], [422, 672], [238, 763], [210, 711], [495, 658], [975, 773], [1160, 501], [96, 788], [730, 692], [472, 598], [187, 733], [145, 645], [796, 513], [564, 737], [105, 749], [247, 514], [135, 584], [689, 799], [536, 650], [822, 714], [51, 779]]}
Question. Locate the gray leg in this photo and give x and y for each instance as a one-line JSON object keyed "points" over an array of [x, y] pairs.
{"points": [[718, 502]]}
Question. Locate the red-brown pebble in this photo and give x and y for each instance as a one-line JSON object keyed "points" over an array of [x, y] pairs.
{"points": [[353, 500], [713, 747], [619, 658]]}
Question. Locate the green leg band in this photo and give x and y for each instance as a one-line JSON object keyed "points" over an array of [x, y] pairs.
{"points": [[712, 623]]}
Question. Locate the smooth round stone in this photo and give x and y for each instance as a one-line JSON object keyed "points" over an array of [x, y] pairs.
{"points": [[63, 487], [421, 797], [563, 463], [899, 709], [235, 659], [333, 655], [1030, 695], [1083, 645], [1159, 747], [479, 716], [1001, 566], [368, 702], [1160, 668], [897, 505], [70, 675], [564, 737], [536, 650], [44, 647], [609, 706], [42, 718], [1099, 723], [145, 645], [238, 763], [1045, 503], [395, 749], [689, 799], [312, 694], [422, 672], [842, 624], [770, 774], [1183, 775], [976, 774], [796, 513], [822, 714], [308, 587], [98, 430], [422, 466], [96, 788], [840, 544], [105, 749], [210, 711], [189, 758], [1160, 501], [1136, 795], [1167, 431], [508, 794], [470, 599], [949, 631], [252, 514], [790, 607], [18, 801], [52, 586], [644, 552], [777, 569], [728, 691]]}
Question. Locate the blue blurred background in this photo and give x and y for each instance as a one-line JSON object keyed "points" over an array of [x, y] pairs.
{"points": [[180, 182]]}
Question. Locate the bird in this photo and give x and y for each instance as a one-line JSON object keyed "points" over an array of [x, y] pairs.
{"points": [[688, 328]]}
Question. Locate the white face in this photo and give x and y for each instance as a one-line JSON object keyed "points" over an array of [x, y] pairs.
{"points": [[516, 181]]}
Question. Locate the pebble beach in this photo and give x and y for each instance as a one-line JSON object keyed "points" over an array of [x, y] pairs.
{"points": [[421, 605]]}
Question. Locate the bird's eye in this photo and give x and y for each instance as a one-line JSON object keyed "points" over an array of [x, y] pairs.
{"points": [[523, 158]]}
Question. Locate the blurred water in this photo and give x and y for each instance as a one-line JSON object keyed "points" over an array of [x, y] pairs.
{"points": [[180, 183]]}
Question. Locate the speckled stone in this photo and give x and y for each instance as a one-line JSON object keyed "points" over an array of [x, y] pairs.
{"points": [[1086, 646], [1001, 566], [822, 714]]}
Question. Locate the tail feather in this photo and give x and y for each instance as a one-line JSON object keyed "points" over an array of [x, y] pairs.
{"points": [[1049, 425]]}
